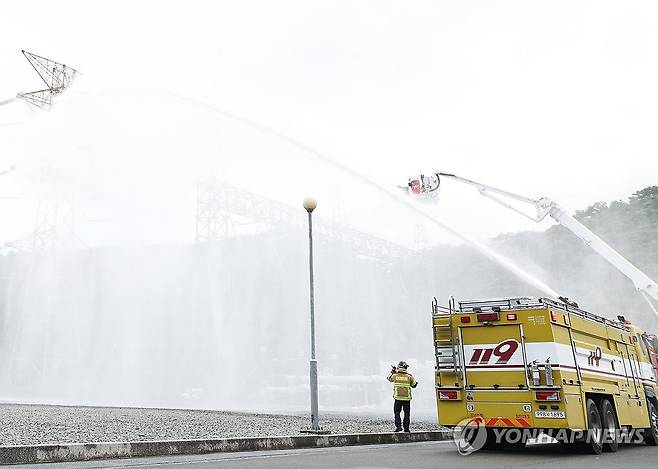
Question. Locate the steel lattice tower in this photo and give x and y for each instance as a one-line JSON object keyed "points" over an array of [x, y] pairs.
{"points": [[213, 219], [55, 75], [220, 204]]}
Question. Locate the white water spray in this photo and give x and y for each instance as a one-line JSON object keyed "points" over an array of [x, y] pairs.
{"points": [[501, 260], [159, 325]]}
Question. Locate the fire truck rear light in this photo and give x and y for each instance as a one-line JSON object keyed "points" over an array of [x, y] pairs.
{"points": [[449, 395], [482, 317], [465, 319], [511, 317], [547, 395], [553, 316]]}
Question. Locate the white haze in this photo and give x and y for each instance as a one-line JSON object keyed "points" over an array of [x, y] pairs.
{"points": [[125, 310], [129, 311]]}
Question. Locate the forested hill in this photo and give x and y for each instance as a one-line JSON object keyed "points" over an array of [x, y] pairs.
{"points": [[562, 260], [630, 227]]}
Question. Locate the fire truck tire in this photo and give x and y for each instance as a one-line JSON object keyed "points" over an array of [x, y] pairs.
{"points": [[592, 443], [610, 427], [516, 445], [490, 443], [651, 438]]}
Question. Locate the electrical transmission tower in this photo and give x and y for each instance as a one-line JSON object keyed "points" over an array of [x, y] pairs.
{"points": [[53, 221], [44, 237], [46, 229], [213, 220], [54, 224], [56, 76], [218, 204]]}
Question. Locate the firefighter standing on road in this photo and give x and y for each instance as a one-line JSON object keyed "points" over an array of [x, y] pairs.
{"points": [[402, 384]]}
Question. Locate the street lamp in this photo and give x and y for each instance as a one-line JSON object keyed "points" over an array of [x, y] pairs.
{"points": [[309, 204]]}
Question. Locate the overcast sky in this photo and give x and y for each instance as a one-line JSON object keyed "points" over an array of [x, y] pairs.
{"points": [[542, 98]]}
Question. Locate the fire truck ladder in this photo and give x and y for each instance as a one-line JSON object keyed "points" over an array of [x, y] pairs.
{"points": [[446, 348]]}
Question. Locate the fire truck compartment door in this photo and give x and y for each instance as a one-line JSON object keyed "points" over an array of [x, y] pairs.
{"points": [[494, 356]]}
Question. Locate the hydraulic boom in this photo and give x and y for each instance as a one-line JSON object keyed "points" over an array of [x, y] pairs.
{"points": [[546, 207]]}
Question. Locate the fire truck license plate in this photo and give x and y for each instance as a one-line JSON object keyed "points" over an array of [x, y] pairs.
{"points": [[550, 414]]}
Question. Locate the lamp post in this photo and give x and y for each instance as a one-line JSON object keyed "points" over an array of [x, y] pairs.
{"points": [[309, 204]]}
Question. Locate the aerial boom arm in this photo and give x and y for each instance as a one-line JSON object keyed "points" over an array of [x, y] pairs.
{"points": [[545, 206], [489, 191], [641, 281]]}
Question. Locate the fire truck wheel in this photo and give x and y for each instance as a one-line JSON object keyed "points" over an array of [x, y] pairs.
{"points": [[592, 443], [652, 432], [516, 445], [490, 443], [610, 427]]}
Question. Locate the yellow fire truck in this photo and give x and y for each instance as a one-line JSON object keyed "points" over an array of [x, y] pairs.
{"points": [[547, 365]]}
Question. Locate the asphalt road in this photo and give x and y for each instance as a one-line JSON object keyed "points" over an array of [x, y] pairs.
{"points": [[409, 455]]}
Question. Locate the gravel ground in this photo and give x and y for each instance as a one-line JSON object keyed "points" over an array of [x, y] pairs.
{"points": [[44, 424]]}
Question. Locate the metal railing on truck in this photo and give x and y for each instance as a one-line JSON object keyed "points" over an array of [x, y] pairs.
{"points": [[447, 347], [527, 302]]}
